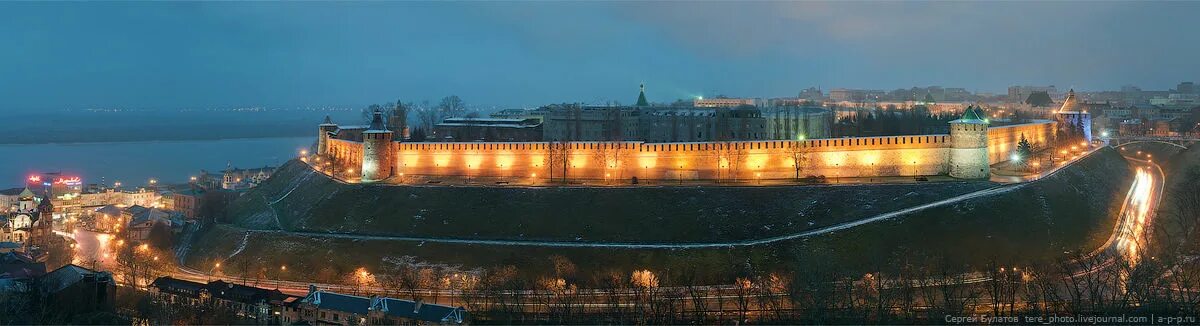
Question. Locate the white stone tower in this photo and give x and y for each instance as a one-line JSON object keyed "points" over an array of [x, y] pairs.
{"points": [[377, 151], [323, 131], [968, 146]]}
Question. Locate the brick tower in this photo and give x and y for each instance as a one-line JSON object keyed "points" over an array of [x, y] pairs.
{"points": [[968, 146], [377, 151]]}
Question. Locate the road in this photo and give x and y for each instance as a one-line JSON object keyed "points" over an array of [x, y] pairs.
{"points": [[1138, 211]]}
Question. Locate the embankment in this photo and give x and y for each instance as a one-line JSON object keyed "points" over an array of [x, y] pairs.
{"points": [[1071, 211]]}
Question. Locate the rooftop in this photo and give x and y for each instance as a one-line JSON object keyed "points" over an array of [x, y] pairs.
{"points": [[66, 276]]}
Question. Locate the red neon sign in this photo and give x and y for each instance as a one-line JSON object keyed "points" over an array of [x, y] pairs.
{"points": [[34, 178], [69, 181]]}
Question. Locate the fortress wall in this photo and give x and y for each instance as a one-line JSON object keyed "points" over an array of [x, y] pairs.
{"points": [[742, 160], [348, 153], [1002, 141], [844, 157]]}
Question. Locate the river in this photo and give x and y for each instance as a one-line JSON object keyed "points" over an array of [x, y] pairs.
{"points": [[134, 163]]}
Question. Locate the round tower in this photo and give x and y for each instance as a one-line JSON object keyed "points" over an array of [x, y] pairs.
{"points": [[377, 151], [323, 131], [968, 146]]}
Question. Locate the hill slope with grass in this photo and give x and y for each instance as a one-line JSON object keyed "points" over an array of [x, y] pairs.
{"points": [[304, 201], [1070, 211]]}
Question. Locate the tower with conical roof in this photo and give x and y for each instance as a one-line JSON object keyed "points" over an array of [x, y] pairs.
{"points": [[641, 101], [1070, 104], [1071, 114], [968, 146], [378, 151], [323, 130]]}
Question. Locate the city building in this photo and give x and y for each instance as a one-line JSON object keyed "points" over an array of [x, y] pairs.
{"points": [[185, 201], [29, 222], [141, 197], [1018, 94], [812, 94], [1131, 127], [489, 129], [16, 264], [721, 120], [8, 198], [143, 221], [208, 180], [74, 290], [665, 125], [1186, 88], [521, 114], [790, 101], [723, 102], [264, 305], [840, 95], [797, 122], [574, 122], [241, 179], [328, 308]]}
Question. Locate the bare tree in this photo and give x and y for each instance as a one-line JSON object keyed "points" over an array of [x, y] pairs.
{"points": [[428, 117], [558, 156], [730, 156], [610, 284], [398, 118], [798, 152], [646, 286], [451, 106], [609, 156]]}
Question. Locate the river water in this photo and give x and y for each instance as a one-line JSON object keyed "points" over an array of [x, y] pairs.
{"points": [[134, 163]]}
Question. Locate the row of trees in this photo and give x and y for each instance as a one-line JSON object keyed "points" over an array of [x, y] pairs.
{"points": [[909, 288], [422, 116], [892, 121]]}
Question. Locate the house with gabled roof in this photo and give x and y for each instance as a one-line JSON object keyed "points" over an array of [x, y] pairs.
{"points": [[265, 305], [329, 308]]}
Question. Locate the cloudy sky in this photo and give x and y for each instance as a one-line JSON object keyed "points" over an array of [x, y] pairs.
{"points": [[218, 54]]}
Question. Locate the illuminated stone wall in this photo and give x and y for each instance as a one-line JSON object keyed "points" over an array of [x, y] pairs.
{"points": [[348, 154], [1002, 141], [742, 160], [845, 157]]}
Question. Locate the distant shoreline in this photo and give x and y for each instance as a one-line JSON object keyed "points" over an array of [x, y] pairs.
{"points": [[3, 143]]}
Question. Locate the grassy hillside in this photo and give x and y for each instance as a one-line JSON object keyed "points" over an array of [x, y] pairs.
{"points": [[688, 214], [1070, 211]]}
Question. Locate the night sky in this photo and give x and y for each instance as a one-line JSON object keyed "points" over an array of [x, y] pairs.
{"points": [[217, 54]]}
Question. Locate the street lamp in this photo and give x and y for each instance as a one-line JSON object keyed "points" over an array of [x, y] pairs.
{"points": [[837, 173], [914, 165]]}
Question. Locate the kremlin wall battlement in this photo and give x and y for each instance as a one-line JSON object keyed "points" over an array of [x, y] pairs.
{"points": [[967, 152]]}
